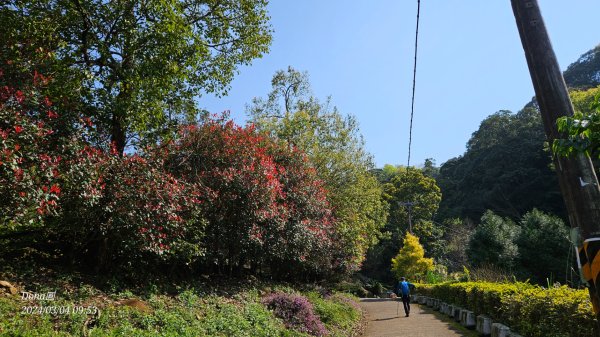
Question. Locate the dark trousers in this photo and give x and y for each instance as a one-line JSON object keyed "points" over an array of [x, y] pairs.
{"points": [[406, 302]]}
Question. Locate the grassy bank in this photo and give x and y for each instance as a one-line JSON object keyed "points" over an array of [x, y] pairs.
{"points": [[211, 307]]}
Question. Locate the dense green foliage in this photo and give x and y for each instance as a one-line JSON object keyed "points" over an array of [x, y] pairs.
{"points": [[402, 185], [339, 312], [139, 65], [582, 130], [585, 72], [537, 247], [505, 169], [501, 198], [335, 148], [457, 234], [291, 196], [217, 197], [413, 186], [493, 242], [544, 248], [528, 309]]}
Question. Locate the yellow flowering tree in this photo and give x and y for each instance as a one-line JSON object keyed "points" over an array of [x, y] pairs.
{"points": [[411, 261]]}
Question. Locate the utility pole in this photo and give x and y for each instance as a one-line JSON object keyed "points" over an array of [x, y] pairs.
{"points": [[576, 176], [408, 206]]}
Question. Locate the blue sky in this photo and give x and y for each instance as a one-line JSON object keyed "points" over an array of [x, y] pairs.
{"points": [[471, 64]]}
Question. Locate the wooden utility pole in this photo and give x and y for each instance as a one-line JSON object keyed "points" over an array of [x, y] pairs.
{"points": [[408, 206], [576, 176]]}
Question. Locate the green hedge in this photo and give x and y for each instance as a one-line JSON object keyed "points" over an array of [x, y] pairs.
{"points": [[531, 310]]}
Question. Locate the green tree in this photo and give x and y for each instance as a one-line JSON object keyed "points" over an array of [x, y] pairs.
{"points": [[583, 73], [411, 185], [406, 185], [335, 148], [411, 261], [429, 168], [143, 64], [504, 169], [455, 241], [494, 242], [543, 247]]}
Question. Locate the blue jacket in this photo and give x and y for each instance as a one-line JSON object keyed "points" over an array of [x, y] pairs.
{"points": [[404, 288]]}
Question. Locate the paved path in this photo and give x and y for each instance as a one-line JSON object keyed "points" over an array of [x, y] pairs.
{"points": [[383, 322]]}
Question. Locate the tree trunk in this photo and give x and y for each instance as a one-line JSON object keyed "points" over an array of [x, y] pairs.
{"points": [[118, 134]]}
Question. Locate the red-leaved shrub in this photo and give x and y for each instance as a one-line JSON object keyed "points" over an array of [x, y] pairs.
{"points": [[29, 160], [126, 207], [219, 193], [263, 201]]}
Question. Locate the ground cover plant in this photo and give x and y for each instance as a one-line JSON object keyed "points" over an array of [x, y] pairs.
{"points": [[210, 307]]}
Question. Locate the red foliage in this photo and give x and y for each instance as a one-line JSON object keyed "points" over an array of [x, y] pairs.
{"points": [[132, 202], [28, 157], [87, 193], [264, 203]]}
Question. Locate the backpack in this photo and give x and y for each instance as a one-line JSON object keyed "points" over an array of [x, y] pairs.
{"points": [[398, 289]]}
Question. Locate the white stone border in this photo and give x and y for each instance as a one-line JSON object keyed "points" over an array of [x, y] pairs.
{"points": [[481, 323]]}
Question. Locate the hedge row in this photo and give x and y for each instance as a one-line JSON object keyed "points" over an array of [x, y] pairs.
{"points": [[529, 309]]}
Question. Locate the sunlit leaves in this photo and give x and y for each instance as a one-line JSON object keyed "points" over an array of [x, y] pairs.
{"points": [[143, 64], [582, 130], [336, 149], [411, 261]]}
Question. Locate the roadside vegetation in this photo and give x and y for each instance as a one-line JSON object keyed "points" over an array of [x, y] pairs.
{"points": [[149, 216]]}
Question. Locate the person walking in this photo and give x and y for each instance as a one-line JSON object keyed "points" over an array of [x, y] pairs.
{"points": [[404, 288]]}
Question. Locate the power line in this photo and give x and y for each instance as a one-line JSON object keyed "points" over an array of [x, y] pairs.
{"points": [[412, 107], [451, 229], [408, 206]]}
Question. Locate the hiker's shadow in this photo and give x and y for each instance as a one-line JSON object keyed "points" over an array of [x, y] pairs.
{"points": [[385, 319]]}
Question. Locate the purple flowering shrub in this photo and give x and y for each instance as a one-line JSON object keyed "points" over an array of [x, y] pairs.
{"points": [[340, 298], [296, 312]]}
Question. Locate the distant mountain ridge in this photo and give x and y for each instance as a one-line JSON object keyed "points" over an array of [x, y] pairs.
{"points": [[582, 74], [511, 174]]}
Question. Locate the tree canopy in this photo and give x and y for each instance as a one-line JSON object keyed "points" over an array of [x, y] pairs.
{"points": [[402, 185], [411, 261], [412, 185], [544, 247], [585, 72], [493, 242], [335, 148], [504, 169], [141, 64]]}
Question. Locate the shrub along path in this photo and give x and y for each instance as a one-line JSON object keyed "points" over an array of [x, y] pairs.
{"points": [[383, 322]]}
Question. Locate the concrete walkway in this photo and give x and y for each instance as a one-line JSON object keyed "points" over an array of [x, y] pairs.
{"points": [[383, 322]]}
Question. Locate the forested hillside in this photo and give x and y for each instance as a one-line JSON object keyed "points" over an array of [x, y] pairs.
{"points": [[507, 166], [501, 213]]}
